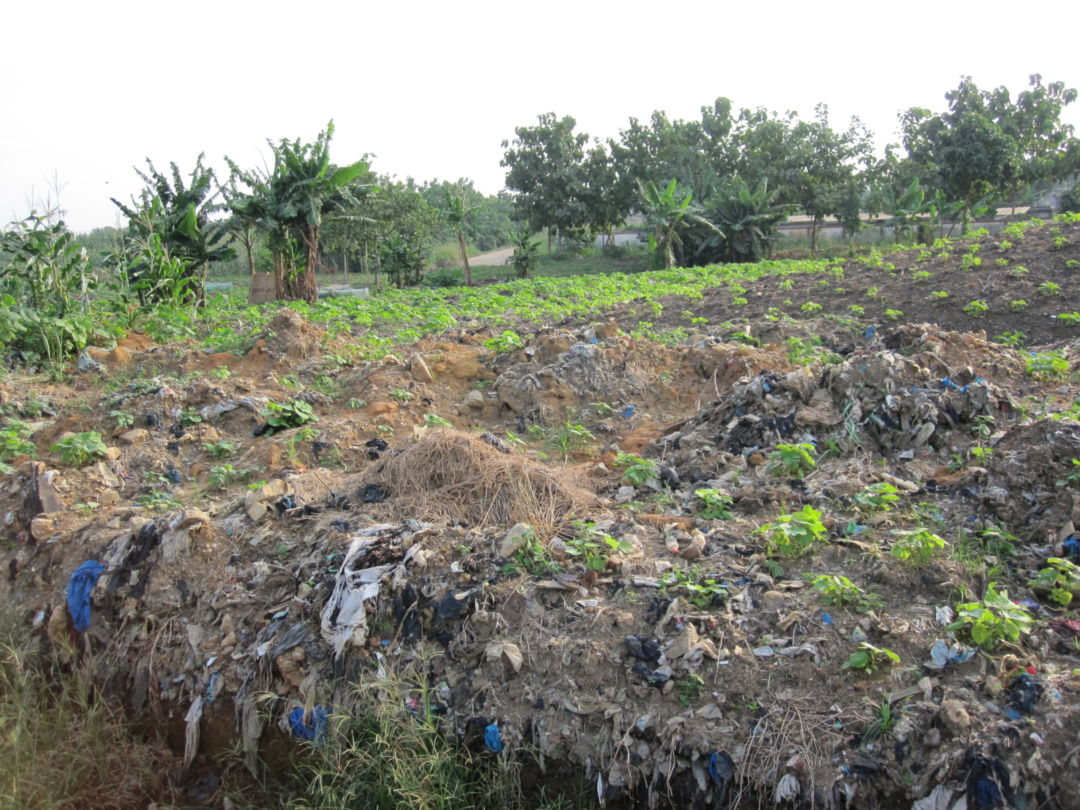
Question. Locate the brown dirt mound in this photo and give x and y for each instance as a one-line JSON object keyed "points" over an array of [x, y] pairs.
{"points": [[451, 475]]}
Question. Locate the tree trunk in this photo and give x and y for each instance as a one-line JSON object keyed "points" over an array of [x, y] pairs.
{"points": [[307, 289], [279, 275], [464, 258], [250, 256], [814, 224]]}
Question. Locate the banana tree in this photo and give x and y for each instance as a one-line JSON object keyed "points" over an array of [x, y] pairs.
{"points": [[668, 213], [289, 203], [457, 217]]}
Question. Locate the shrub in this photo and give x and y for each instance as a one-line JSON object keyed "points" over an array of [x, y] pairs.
{"points": [[286, 415], [80, 449], [635, 469], [793, 459], [712, 504], [917, 547], [793, 535], [840, 591], [992, 620]]}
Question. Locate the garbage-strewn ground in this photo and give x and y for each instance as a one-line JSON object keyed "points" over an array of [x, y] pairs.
{"points": [[586, 543]]}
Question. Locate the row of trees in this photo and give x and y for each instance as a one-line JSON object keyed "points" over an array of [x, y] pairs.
{"points": [[984, 146], [298, 209]]}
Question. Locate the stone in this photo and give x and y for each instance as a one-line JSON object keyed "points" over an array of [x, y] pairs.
{"points": [[773, 600], [136, 436], [475, 400], [954, 717], [42, 528], [112, 453], [515, 538]]}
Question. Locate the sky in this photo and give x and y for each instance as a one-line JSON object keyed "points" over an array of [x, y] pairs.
{"points": [[90, 90]]}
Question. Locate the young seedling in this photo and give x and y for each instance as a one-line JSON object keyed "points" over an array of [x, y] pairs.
{"points": [[635, 469], [868, 658], [996, 618], [878, 497], [1059, 581], [793, 460], [795, 534], [286, 415], [917, 547], [712, 504], [80, 449], [839, 591]]}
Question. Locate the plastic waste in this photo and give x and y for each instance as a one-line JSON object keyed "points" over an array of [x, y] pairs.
{"points": [[942, 654], [372, 493], [644, 649], [82, 582], [1071, 546], [1025, 692], [492, 738], [310, 726]]}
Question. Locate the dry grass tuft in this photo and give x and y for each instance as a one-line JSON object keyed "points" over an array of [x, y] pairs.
{"points": [[451, 475]]}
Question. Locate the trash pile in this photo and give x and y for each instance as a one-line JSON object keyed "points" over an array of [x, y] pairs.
{"points": [[629, 611]]}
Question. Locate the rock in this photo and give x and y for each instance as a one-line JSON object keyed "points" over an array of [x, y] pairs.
{"points": [[507, 652], [515, 538], [136, 436], [87, 363], [109, 497], [255, 503], [773, 599], [111, 453], [42, 528], [954, 717], [474, 400], [419, 369], [625, 494], [469, 369], [382, 407]]}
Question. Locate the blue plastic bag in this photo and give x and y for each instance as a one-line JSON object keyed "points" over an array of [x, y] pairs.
{"points": [[313, 727], [82, 582], [492, 739]]}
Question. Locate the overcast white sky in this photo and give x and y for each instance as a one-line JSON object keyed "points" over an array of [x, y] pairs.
{"points": [[90, 89]]}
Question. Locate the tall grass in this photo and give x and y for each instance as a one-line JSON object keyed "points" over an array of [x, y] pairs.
{"points": [[62, 745]]}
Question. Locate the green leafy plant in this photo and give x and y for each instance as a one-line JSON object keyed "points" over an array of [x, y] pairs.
{"points": [[1071, 318], [805, 351], [1070, 478], [894, 314], [1049, 288], [635, 470], [1059, 581], [286, 415], [14, 442], [1018, 305], [432, 420], [1013, 339], [157, 501], [917, 546], [793, 460], [693, 585], [878, 497], [356, 404], [811, 307], [506, 342], [401, 396], [992, 620], [939, 295], [534, 558], [122, 419], [868, 658], [793, 535], [976, 308], [712, 504], [690, 687], [220, 449], [569, 438], [1047, 365], [190, 417], [80, 449], [594, 547], [225, 474], [840, 591], [222, 372]]}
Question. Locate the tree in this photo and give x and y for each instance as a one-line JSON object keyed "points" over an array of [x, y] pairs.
{"points": [[289, 203], [668, 213], [179, 213], [986, 144], [457, 216], [544, 165], [525, 252]]}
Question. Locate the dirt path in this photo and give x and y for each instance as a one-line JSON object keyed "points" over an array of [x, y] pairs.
{"points": [[495, 258]]}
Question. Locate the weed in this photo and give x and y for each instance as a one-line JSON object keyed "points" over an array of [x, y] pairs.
{"points": [[805, 351], [884, 719], [432, 420], [992, 620], [1019, 271], [810, 307], [401, 396], [693, 585], [219, 450], [80, 449], [122, 419], [1072, 476], [1049, 288], [868, 658], [594, 547], [226, 474], [222, 372], [878, 497], [976, 308], [14, 442], [287, 415], [938, 295], [855, 309], [793, 460], [690, 687], [1071, 318], [635, 470], [793, 535], [508, 341], [534, 558], [356, 404], [917, 546], [839, 591], [569, 438], [1047, 365], [712, 504], [1059, 581], [157, 501], [894, 314], [1013, 339]]}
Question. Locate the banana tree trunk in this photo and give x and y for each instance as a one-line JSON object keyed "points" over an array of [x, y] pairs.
{"points": [[464, 258]]}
